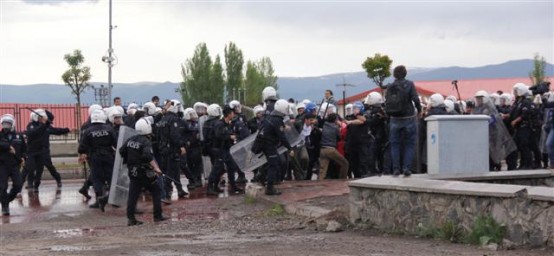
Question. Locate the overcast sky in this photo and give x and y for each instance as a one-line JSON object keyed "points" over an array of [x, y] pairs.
{"points": [[303, 38]]}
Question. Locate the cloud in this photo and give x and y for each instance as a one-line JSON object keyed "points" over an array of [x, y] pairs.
{"points": [[57, 2]]}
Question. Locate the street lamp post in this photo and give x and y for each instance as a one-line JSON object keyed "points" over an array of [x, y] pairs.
{"points": [[344, 85]]}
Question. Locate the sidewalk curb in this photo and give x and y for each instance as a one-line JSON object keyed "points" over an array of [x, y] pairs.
{"points": [[301, 209]]}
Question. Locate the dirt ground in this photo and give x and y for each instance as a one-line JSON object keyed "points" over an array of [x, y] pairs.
{"points": [[202, 226]]}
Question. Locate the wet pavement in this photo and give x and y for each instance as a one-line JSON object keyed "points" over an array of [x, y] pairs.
{"points": [[51, 202]]}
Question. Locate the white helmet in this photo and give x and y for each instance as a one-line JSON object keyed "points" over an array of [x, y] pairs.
{"points": [[507, 98], [175, 107], [282, 106], [326, 106], [35, 114], [449, 106], [200, 108], [537, 100], [189, 114], [495, 98], [149, 108], [114, 113], [98, 116], [235, 106], [143, 126], [214, 110], [8, 118], [268, 92], [131, 112], [306, 101], [131, 107], [349, 108], [300, 105], [451, 98], [481, 93], [93, 107], [436, 100], [521, 89], [374, 98], [258, 109]]}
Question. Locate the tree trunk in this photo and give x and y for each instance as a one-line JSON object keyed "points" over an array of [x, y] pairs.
{"points": [[78, 115]]}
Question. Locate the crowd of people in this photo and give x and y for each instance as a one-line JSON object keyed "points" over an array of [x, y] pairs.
{"points": [[381, 135]]}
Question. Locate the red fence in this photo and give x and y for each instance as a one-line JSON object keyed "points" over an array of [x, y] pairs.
{"points": [[65, 115]]}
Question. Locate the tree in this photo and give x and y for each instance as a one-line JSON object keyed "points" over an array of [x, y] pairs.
{"points": [[76, 77], [378, 68], [258, 76], [538, 75], [202, 80], [234, 63]]}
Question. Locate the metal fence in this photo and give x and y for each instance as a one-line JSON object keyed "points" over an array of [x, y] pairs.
{"points": [[65, 116]]}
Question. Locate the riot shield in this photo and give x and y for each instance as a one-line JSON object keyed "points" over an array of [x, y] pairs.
{"points": [[544, 134], [248, 161], [501, 144], [119, 189]]}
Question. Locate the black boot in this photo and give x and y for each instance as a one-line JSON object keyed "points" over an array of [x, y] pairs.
{"points": [[160, 218], [84, 191], [134, 222], [236, 190], [181, 193], [242, 179], [212, 189], [102, 201], [5, 209], [270, 190]]}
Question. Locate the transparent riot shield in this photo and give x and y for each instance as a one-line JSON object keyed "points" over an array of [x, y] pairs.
{"points": [[544, 134], [501, 144], [119, 189], [248, 161]]}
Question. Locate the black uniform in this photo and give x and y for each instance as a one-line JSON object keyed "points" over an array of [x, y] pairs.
{"points": [[273, 138], [194, 152], [137, 153], [240, 128], [37, 147], [378, 126], [99, 142], [48, 157], [171, 141], [525, 109], [221, 143], [358, 143], [9, 166]]}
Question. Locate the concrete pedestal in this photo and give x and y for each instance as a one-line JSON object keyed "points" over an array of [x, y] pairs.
{"points": [[457, 144]]}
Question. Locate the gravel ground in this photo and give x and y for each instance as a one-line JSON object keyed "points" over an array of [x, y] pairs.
{"points": [[226, 226]]}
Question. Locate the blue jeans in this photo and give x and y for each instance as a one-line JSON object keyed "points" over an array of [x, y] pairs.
{"points": [[550, 146], [402, 140]]}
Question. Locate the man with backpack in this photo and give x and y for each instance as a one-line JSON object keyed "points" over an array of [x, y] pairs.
{"points": [[400, 99]]}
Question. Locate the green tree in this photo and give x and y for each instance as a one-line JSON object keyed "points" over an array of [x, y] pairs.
{"points": [[378, 68], [199, 82], [258, 76], [76, 77], [217, 81], [538, 75], [234, 62]]}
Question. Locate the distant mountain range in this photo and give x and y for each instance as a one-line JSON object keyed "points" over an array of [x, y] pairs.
{"points": [[289, 87]]}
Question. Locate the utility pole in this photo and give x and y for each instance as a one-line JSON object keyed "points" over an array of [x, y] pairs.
{"points": [[111, 59], [344, 85]]}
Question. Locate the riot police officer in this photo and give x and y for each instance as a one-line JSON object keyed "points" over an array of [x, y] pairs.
{"points": [[98, 146], [12, 154], [194, 149], [222, 140], [37, 136], [138, 154], [172, 147], [240, 128], [274, 137], [521, 118], [378, 126]]}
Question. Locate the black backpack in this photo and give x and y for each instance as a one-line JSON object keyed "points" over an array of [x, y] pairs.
{"points": [[396, 99]]}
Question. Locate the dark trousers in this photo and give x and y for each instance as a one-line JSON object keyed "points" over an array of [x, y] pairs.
{"points": [[358, 157], [101, 172], [135, 187], [313, 157], [7, 172], [33, 169], [51, 168], [223, 160], [194, 162], [273, 164], [523, 142], [171, 167]]}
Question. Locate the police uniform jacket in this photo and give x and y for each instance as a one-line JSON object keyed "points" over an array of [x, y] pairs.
{"points": [[98, 141], [16, 141]]}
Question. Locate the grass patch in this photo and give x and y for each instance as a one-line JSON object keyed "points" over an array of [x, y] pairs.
{"points": [[486, 230], [275, 210], [447, 231], [249, 200]]}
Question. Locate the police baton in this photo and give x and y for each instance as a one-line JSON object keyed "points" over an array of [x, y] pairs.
{"points": [[171, 179]]}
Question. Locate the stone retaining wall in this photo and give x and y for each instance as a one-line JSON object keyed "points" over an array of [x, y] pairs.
{"points": [[401, 205]]}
